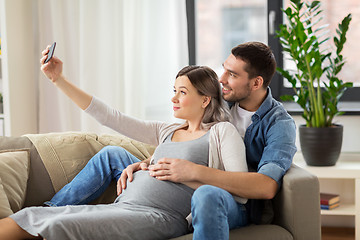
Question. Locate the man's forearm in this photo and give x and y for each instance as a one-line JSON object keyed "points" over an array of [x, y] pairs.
{"points": [[243, 184], [193, 185]]}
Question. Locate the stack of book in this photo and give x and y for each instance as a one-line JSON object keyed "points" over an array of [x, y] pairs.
{"points": [[329, 201]]}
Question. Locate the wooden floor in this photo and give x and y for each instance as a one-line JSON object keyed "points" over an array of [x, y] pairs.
{"points": [[330, 233]]}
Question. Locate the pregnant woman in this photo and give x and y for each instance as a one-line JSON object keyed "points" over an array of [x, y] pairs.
{"points": [[148, 208]]}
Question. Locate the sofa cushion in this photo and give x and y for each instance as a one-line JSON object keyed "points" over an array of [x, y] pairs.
{"points": [[39, 186], [65, 154], [14, 173]]}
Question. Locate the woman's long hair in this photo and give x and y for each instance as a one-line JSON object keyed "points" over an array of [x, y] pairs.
{"points": [[205, 80]]}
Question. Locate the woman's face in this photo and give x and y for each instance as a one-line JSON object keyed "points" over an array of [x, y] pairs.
{"points": [[188, 104]]}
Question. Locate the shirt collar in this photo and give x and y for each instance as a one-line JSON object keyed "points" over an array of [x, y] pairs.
{"points": [[266, 104]]}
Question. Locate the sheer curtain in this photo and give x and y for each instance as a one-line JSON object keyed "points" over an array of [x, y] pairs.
{"points": [[126, 53]]}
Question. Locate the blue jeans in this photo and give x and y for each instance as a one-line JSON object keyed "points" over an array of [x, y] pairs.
{"points": [[215, 212], [95, 177]]}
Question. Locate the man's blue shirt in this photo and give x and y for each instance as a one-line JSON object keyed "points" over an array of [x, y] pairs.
{"points": [[270, 147], [270, 140]]}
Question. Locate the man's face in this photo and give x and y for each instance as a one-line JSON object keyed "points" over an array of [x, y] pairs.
{"points": [[235, 81]]}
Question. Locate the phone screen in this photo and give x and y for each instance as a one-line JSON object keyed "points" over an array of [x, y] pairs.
{"points": [[51, 52]]}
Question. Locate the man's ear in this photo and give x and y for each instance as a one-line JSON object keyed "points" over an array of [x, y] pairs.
{"points": [[206, 101], [258, 82]]}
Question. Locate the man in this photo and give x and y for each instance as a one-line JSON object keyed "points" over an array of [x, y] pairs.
{"points": [[269, 136]]}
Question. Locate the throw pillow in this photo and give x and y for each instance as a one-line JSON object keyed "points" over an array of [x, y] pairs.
{"points": [[14, 173], [5, 209]]}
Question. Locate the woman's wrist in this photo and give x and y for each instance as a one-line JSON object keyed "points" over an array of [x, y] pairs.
{"points": [[58, 80]]}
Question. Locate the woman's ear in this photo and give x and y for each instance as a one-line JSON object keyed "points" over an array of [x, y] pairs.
{"points": [[206, 101]]}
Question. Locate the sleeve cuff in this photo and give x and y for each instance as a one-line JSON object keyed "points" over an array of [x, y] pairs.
{"points": [[273, 171]]}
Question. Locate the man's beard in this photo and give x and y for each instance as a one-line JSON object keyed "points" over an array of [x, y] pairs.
{"points": [[240, 97]]}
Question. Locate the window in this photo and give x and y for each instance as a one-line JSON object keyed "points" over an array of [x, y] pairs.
{"points": [[217, 26]]}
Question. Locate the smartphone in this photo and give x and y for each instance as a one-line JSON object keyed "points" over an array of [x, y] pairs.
{"points": [[51, 52]]}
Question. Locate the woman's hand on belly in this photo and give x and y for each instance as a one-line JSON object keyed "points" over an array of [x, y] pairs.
{"points": [[175, 170], [127, 173]]}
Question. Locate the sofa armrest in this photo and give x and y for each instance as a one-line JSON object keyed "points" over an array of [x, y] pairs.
{"points": [[297, 205]]}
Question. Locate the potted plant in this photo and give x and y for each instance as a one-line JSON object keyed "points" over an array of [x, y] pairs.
{"points": [[315, 81]]}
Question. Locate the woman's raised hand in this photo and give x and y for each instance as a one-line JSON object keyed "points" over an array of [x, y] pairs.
{"points": [[53, 68]]}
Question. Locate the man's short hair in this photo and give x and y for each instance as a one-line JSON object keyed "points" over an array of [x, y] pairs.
{"points": [[259, 59]]}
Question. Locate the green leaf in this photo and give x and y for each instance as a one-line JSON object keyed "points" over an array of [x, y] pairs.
{"points": [[287, 98], [288, 11], [287, 75], [315, 4]]}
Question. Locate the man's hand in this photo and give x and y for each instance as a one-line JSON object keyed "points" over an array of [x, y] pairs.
{"points": [[127, 173], [175, 170]]}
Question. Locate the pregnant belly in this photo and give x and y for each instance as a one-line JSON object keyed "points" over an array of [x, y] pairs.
{"points": [[145, 190]]}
